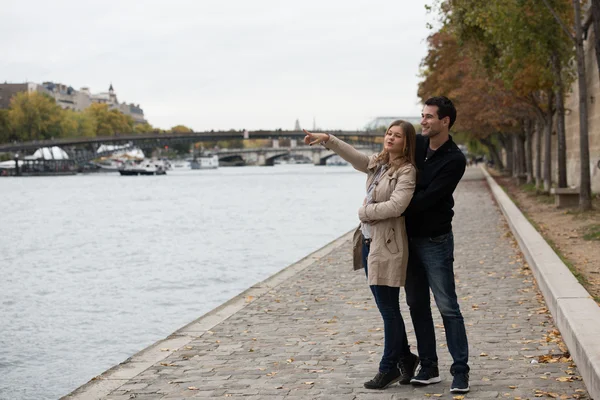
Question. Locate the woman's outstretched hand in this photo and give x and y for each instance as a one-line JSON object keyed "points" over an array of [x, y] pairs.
{"points": [[315, 138]]}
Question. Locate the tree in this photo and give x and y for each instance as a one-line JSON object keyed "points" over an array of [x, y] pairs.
{"points": [[181, 129], [77, 124], [6, 134], [522, 44], [35, 116], [577, 37], [109, 122], [487, 111], [143, 128]]}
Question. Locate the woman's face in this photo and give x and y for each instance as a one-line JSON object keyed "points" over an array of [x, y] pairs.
{"points": [[393, 141]]}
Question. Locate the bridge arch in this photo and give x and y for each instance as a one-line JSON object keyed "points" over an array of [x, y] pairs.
{"points": [[270, 161], [323, 160], [233, 160]]}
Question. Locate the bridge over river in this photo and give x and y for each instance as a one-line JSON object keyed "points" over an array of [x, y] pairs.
{"points": [[83, 149]]}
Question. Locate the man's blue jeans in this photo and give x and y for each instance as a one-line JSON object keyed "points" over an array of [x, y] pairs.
{"points": [[388, 302], [430, 265]]}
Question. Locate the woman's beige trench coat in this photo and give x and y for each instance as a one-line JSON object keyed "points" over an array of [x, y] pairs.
{"points": [[388, 253]]}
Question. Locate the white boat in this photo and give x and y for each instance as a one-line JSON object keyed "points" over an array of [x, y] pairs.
{"points": [[179, 164], [205, 162], [109, 164], [144, 167]]}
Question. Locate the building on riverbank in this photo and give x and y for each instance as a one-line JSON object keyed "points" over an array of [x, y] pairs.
{"points": [[71, 99]]}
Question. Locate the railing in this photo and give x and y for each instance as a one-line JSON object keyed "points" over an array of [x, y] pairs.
{"points": [[166, 137]]}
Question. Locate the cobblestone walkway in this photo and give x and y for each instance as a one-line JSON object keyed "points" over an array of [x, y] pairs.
{"points": [[319, 335]]}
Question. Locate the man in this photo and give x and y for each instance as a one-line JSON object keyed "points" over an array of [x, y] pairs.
{"points": [[441, 165]]}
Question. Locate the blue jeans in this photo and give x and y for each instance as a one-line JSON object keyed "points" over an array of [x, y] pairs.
{"points": [[430, 265], [387, 299]]}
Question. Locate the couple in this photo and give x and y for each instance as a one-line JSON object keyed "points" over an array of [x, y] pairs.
{"points": [[405, 239]]}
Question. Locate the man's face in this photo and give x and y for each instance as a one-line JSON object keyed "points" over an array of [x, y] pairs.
{"points": [[431, 124]]}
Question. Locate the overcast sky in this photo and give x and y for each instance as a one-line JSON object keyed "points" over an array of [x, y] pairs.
{"points": [[226, 64]]}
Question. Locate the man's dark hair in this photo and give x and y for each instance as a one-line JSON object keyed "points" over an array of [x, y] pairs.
{"points": [[445, 108]]}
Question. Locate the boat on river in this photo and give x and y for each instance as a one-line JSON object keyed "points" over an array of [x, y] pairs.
{"points": [[143, 167], [205, 162]]}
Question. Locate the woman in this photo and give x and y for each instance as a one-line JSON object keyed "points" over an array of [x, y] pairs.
{"points": [[380, 243]]}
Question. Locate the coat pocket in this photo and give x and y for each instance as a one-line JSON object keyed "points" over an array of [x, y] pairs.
{"points": [[390, 241]]}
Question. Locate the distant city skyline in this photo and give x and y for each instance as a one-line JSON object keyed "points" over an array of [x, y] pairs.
{"points": [[228, 65]]}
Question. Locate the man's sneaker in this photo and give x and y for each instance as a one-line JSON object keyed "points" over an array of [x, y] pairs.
{"points": [[427, 375], [408, 366], [460, 383], [383, 379]]}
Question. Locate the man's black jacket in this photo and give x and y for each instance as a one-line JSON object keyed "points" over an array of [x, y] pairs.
{"points": [[430, 210]]}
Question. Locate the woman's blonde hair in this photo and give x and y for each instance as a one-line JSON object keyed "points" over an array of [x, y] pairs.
{"points": [[408, 152]]}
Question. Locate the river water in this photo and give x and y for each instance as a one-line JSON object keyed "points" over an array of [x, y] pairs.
{"points": [[94, 268]]}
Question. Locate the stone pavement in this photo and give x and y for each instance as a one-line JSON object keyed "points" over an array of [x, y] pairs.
{"points": [[318, 334]]}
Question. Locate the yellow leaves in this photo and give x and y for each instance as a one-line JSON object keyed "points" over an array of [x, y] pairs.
{"points": [[550, 359], [460, 397], [433, 395], [309, 383], [192, 388], [571, 378], [541, 393], [164, 364], [483, 355], [249, 299], [290, 360]]}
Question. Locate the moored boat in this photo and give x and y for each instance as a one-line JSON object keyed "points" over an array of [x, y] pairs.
{"points": [[144, 167], [205, 162]]}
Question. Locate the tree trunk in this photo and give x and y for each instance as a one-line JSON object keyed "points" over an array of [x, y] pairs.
{"points": [[521, 167], [538, 151], [548, 142], [515, 148], [499, 165], [507, 145], [596, 23], [560, 121], [528, 131], [585, 190]]}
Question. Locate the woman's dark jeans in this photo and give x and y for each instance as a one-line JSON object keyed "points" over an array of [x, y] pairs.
{"points": [[430, 265], [388, 302]]}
